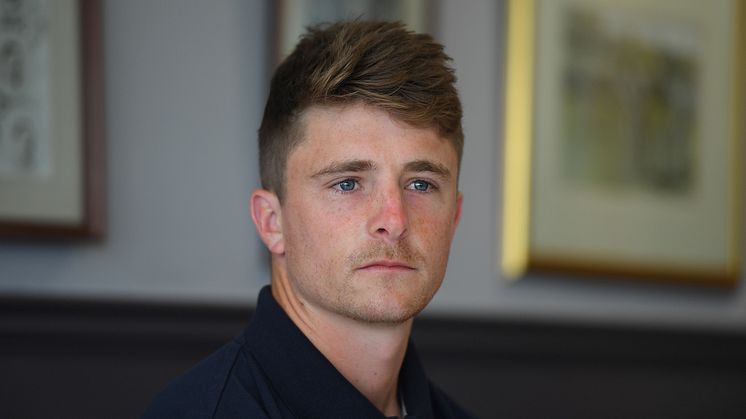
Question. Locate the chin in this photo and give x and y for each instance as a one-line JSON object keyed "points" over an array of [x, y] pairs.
{"points": [[383, 317], [388, 309]]}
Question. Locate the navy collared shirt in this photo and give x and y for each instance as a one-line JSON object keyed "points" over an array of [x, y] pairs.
{"points": [[273, 371]]}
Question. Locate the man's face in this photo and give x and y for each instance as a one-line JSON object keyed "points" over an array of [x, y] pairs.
{"points": [[370, 209]]}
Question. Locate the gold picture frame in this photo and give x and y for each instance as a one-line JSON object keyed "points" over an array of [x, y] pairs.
{"points": [[623, 131]]}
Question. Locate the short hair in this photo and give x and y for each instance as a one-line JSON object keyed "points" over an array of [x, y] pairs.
{"points": [[381, 64]]}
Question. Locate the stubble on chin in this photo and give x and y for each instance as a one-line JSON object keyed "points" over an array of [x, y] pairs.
{"points": [[385, 301]]}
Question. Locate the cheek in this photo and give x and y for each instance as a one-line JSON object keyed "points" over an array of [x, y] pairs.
{"points": [[320, 230], [433, 227]]}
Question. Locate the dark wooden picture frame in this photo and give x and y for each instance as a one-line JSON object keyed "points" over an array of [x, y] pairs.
{"points": [[90, 222]]}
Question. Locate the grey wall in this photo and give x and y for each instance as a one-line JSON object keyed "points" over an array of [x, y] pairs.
{"points": [[186, 82], [184, 87]]}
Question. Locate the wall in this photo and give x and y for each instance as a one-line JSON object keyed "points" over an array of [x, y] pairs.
{"points": [[185, 88], [186, 82]]}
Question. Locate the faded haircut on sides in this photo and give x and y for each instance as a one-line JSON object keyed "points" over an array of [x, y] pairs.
{"points": [[378, 63]]}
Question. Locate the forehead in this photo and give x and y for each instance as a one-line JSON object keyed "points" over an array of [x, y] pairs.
{"points": [[366, 132]]}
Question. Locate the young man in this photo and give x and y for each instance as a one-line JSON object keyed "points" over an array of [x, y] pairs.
{"points": [[359, 152]]}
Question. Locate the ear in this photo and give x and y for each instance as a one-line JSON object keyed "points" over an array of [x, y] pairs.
{"points": [[267, 215], [457, 215]]}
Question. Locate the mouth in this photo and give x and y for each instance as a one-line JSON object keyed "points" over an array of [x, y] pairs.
{"points": [[387, 266]]}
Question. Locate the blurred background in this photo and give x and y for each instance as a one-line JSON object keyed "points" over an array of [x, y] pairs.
{"points": [[95, 329]]}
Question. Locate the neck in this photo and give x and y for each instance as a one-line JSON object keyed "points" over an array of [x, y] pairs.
{"points": [[368, 355]]}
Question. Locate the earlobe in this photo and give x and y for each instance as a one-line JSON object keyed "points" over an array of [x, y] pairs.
{"points": [[267, 215]]}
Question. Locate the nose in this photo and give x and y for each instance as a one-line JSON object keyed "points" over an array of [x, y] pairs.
{"points": [[389, 221]]}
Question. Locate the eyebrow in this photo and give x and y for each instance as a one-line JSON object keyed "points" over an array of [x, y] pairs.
{"points": [[353, 166], [428, 166], [345, 167]]}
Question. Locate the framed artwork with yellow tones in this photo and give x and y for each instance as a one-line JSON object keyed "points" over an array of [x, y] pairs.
{"points": [[623, 132]]}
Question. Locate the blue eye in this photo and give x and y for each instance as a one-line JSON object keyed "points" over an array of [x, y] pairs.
{"points": [[420, 186], [347, 185]]}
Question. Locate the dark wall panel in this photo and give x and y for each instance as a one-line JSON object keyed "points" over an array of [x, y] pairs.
{"points": [[82, 359]]}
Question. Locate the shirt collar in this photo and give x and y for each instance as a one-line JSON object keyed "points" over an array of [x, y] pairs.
{"points": [[308, 383]]}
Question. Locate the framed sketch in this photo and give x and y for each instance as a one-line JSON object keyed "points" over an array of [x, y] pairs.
{"points": [[623, 132], [51, 119], [293, 16]]}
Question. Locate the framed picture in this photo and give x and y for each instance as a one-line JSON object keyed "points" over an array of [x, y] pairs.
{"points": [[623, 132], [293, 16], [51, 119]]}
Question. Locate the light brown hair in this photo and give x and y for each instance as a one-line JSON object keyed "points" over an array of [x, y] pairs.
{"points": [[378, 63]]}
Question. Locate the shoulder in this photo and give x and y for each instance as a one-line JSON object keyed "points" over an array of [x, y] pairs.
{"points": [[197, 392], [445, 407]]}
